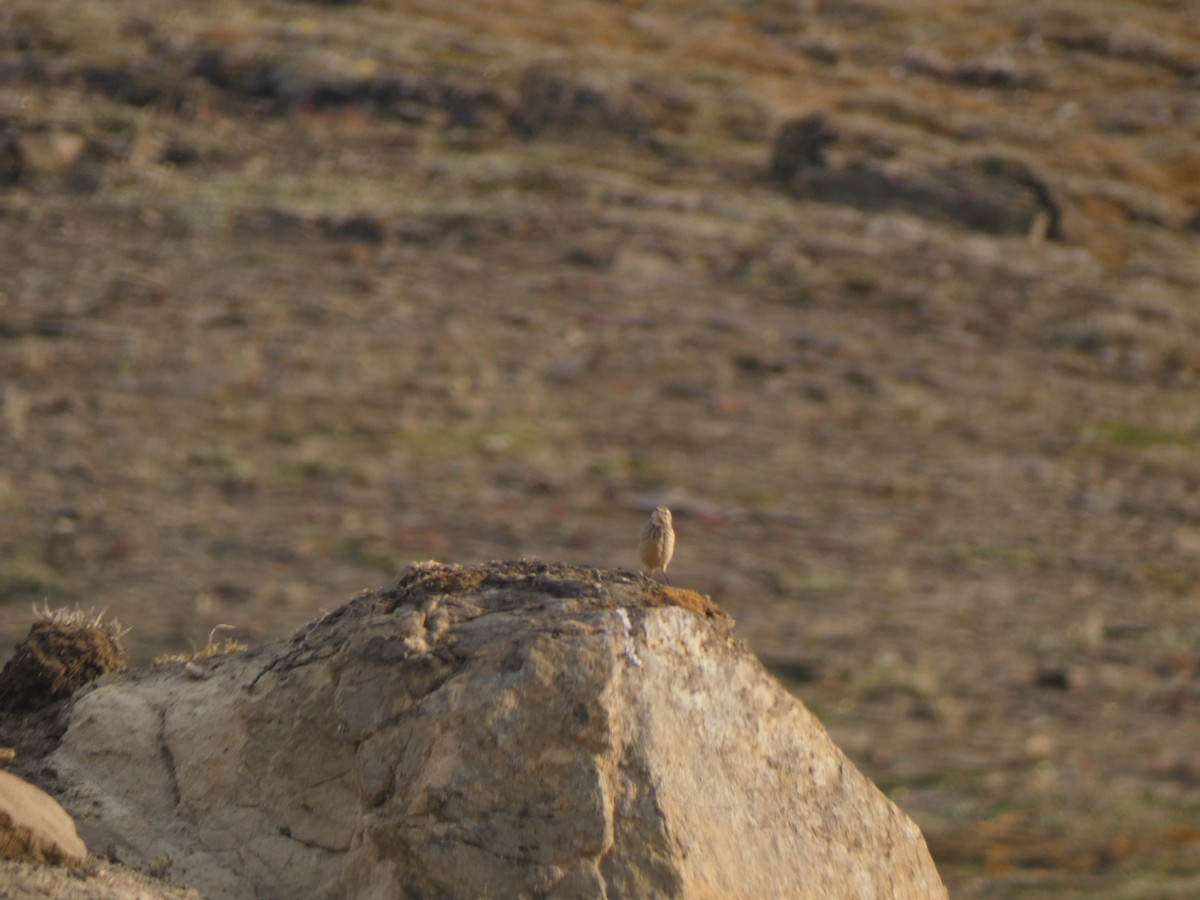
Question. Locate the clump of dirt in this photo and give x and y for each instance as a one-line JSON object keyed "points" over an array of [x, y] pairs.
{"points": [[56, 660]]}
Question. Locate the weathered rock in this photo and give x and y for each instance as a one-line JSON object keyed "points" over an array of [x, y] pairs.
{"points": [[990, 194], [33, 827], [519, 728]]}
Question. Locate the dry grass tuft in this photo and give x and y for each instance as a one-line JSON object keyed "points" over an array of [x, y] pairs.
{"points": [[84, 618], [208, 651]]}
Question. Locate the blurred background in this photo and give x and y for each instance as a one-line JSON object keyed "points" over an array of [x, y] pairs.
{"points": [[894, 303]]}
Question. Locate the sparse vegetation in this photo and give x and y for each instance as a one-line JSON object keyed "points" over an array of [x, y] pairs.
{"points": [[1138, 437], [82, 618], [213, 647], [331, 287]]}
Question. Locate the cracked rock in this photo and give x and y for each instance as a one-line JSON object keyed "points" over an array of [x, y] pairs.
{"points": [[515, 729]]}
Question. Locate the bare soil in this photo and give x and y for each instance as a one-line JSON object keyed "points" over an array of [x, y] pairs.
{"points": [[292, 294]]}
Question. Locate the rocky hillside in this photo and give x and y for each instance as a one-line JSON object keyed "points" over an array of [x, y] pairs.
{"points": [[893, 303]]}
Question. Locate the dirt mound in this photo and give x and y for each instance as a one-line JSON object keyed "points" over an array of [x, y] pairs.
{"points": [[56, 660]]}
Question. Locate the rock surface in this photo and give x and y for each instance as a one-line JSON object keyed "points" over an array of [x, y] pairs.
{"points": [[556, 730], [33, 827], [989, 194]]}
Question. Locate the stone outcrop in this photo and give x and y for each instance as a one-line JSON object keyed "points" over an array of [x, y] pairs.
{"points": [[515, 729], [989, 194]]}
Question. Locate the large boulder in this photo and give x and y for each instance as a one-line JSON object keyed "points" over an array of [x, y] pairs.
{"points": [[514, 729]]}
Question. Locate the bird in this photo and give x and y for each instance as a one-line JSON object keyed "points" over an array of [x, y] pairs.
{"points": [[658, 542]]}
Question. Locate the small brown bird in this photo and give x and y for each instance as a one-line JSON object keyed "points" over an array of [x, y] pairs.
{"points": [[658, 542]]}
